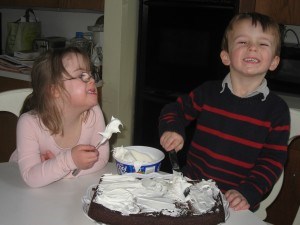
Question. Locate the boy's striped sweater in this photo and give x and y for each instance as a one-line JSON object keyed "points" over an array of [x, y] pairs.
{"points": [[241, 143]]}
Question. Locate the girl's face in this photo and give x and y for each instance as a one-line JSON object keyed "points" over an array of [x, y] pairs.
{"points": [[251, 52], [82, 95]]}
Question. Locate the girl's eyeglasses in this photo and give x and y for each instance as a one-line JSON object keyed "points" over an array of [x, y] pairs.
{"points": [[86, 77]]}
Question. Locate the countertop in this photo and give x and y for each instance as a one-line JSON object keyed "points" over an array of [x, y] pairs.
{"points": [[13, 75], [27, 77]]}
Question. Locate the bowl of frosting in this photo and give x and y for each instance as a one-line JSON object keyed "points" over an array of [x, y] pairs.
{"points": [[137, 159]]}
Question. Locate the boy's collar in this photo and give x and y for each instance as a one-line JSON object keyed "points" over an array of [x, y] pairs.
{"points": [[263, 88]]}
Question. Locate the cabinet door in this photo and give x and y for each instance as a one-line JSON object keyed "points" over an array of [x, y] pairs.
{"points": [[97, 5], [30, 3], [283, 11], [10, 84], [246, 6]]}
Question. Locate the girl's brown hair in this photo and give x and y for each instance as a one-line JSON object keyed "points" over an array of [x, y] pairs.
{"points": [[48, 74], [267, 23]]}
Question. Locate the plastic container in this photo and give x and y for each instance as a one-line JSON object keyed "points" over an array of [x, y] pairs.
{"points": [[81, 42], [146, 168]]}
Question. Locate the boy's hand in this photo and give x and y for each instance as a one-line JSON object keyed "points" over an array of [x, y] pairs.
{"points": [[171, 140], [84, 156], [236, 200]]}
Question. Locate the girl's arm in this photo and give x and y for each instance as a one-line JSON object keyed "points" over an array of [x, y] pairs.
{"points": [[91, 132], [32, 142]]}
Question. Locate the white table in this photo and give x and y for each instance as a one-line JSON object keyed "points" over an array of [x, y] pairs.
{"points": [[60, 203]]}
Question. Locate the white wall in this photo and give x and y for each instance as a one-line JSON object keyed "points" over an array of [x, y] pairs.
{"points": [[54, 23], [119, 64]]}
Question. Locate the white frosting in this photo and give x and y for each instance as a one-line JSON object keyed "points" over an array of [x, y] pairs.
{"points": [[132, 156], [111, 127], [130, 195]]}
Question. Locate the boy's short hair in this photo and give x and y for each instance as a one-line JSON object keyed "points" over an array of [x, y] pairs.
{"points": [[267, 23]]}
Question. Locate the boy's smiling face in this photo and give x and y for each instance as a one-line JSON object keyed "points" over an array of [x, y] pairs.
{"points": [[251, 51]]}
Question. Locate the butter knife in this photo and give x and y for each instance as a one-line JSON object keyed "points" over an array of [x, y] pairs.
{"points": [[174, 161], [176, 168]]}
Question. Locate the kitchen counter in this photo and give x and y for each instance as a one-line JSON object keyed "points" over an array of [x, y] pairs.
{"points": [[13, 75], [12, 80], [27, 77]]}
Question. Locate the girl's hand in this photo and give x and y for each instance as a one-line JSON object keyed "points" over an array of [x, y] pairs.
{"points": [[236, 200], [47, 155], [171, 140], [84, 156]]}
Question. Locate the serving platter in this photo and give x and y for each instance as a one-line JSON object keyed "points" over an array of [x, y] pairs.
{"points": [[86, 199]]}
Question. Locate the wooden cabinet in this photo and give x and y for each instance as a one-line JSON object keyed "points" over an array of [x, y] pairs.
{"points": [[96, 5], [10, 84], [283, 11], [8, 120], [247, 5], [8, 135], [30, 3]]}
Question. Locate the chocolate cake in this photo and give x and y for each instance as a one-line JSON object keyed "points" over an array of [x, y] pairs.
{"points": [[179, 210]]}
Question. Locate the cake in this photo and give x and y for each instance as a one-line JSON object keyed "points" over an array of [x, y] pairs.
{"points": [[134, 199]]}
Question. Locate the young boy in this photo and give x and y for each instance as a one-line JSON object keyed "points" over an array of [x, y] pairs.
{"points": [[242, 129]]}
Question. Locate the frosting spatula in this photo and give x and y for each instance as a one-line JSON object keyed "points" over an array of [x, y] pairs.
{"points": [[176, 168], [174, 161]]}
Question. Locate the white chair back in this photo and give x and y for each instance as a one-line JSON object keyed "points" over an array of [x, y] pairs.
{"points": [[12, 101], [295, 131], [297, 218], [295, 123]]}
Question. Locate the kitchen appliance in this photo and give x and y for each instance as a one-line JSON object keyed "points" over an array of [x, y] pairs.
{"points": [[179, 44], [43, 44], [286, 78], [0, 33]]}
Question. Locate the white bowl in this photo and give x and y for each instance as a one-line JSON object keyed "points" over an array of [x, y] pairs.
{"points": [[145, 168]]}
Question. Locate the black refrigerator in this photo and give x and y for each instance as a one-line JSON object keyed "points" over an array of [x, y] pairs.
{"points": [[179, 44], [0, 33]]}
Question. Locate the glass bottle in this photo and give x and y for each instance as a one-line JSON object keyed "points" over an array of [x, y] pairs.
{"points": [[81, 42]]}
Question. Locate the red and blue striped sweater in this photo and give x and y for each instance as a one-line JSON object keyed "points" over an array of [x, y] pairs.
{"points": [[241, 143]]}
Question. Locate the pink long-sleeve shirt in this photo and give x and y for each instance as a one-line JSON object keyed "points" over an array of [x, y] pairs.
{"points": [[34, 140]]}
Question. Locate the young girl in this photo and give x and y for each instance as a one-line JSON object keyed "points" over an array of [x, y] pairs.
{"points": [[58, 128]]}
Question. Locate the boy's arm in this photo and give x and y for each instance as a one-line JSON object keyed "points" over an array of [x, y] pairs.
{"points": [[270, 162], [170, 119], [177, 115]]}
